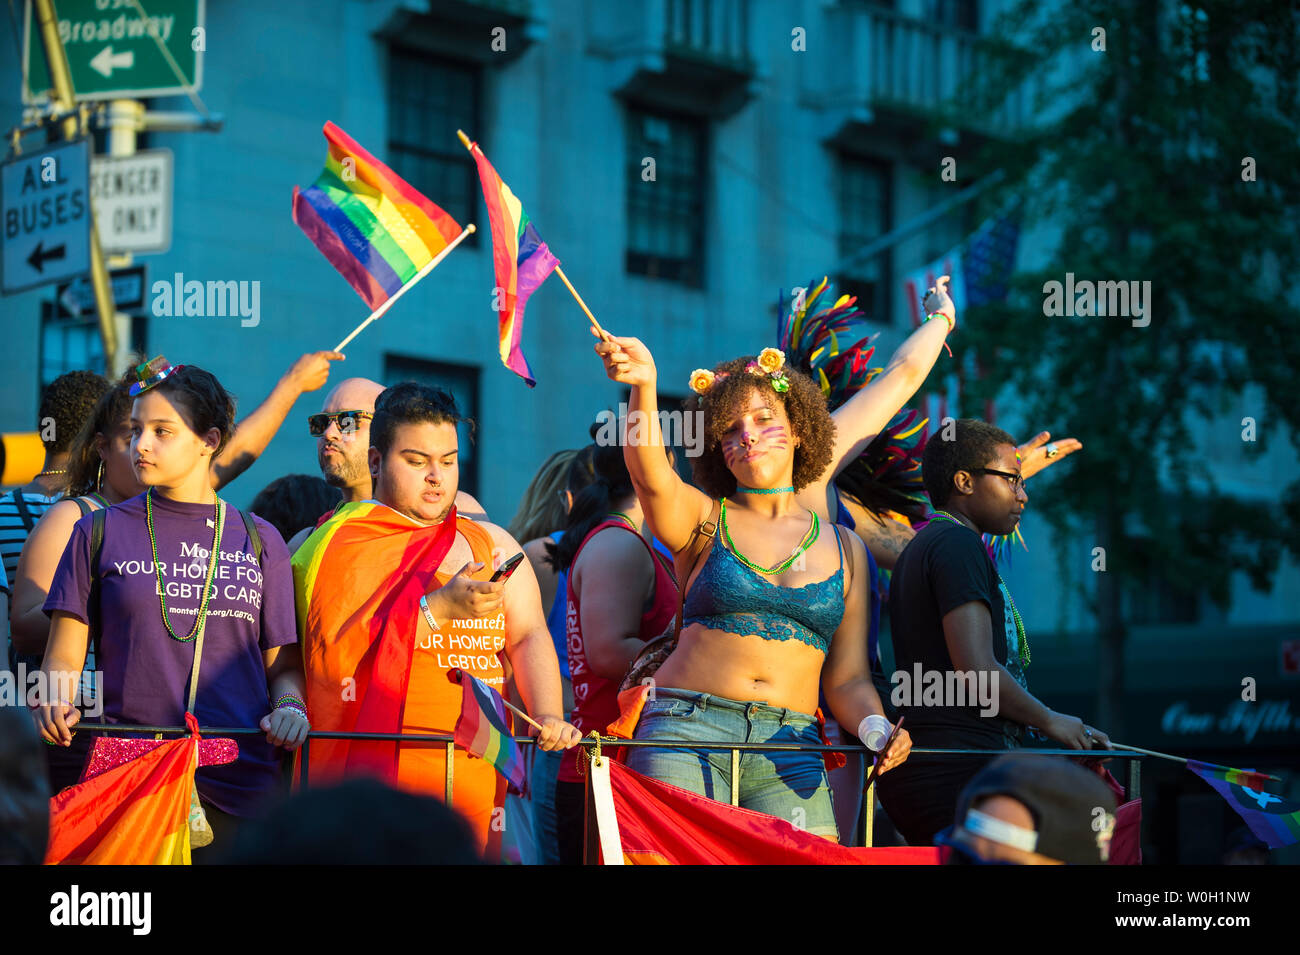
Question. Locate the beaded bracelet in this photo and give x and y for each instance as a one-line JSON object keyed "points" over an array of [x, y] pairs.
{"points": [[289, 701]]}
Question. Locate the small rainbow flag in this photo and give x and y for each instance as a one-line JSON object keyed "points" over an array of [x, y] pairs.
{"points": [[521, 260], [1274, 819], [372, 225], [483, 728]]}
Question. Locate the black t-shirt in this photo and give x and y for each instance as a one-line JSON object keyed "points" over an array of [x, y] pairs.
{"points": [[942, 568]]}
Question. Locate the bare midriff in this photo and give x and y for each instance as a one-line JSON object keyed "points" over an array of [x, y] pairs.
{"points": [[783, 673]]}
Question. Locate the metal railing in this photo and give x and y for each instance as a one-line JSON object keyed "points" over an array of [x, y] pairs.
{"points": [[1132, 766]]}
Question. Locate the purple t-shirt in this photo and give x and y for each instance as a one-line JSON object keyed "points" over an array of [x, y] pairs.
{"points": [[145, 672]]}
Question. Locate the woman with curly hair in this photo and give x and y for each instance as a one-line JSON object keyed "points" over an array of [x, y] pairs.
{"points": [[777, 607]]}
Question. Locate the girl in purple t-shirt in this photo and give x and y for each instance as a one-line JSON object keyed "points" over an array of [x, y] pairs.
{"points": [[174, 563]]}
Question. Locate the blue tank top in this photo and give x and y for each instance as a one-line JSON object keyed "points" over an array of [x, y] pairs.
{"points": [[729, 596], [555, 617]]}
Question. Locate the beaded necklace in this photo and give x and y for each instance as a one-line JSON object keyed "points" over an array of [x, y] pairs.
{"points": [[625, 517], [764, 490], [1015, 614], [219, 516], [808, 540]]}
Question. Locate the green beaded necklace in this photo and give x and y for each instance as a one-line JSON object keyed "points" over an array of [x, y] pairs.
{"points": [[808, 540], [764, 490], [220, 517], [1015, 614], [626, 518]]}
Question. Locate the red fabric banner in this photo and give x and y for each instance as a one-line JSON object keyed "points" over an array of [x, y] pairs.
{"points": [[661, 824]]}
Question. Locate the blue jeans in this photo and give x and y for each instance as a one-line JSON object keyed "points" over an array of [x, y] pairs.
{"points": [[789, 785], [541, 786]]}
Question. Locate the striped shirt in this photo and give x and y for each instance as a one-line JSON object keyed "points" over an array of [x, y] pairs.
{"points": [[15, 525]]}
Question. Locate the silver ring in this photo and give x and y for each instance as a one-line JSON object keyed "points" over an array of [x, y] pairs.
{"points": [[1053, 450], [1087, 732]]}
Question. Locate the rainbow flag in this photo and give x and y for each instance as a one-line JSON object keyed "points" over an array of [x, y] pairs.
{"points": [[136, 813], [484, 729], [372, 225], [521, 260], [1272, 818]]}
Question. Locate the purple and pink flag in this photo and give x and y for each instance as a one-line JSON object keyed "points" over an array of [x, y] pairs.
{"points": [[521, 261]]}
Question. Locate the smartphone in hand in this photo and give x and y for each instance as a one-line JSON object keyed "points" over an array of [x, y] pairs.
{"points": [[508, 567]]}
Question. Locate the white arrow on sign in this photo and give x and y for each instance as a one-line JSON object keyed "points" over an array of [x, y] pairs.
{"points": [[105, 60]]}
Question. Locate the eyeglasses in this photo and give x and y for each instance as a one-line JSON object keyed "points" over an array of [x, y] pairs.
{"points": [[1016, 481], [348, 421]]}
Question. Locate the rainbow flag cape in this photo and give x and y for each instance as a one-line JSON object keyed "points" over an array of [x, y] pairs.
{"points": [[521, 261], [136, 813], [1272, 818], [484, 729], [372, 225], [359, 634]]}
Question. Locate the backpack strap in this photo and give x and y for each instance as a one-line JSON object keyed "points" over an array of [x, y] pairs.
{"points": [[82, 505], [691, 556], [254, 538], [24, 514], [96, 549]]}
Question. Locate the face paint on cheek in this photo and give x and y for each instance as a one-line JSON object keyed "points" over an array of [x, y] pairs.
{"points": [[731, 449], [777, 437]]}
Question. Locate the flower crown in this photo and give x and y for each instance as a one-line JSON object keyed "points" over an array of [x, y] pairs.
{"points": [[152, 373], [770, 362]]}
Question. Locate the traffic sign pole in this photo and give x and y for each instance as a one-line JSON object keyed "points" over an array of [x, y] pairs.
{"points": [[65, 99]]}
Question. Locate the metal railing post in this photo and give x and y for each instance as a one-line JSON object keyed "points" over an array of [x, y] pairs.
{"points": [[451, 770], [735, 776]]}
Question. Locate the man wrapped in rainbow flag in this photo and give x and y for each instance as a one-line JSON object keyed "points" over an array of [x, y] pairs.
{"points": [[393, 594]]}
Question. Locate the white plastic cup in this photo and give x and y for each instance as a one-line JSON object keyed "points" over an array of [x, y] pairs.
{"points": [[873, 731]]}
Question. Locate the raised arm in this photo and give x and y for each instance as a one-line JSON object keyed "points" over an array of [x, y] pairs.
{"points": [[672, 507], [860, 419], [255, 431]]}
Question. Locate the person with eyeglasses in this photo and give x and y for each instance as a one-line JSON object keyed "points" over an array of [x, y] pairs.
{"points": [[959, 640], [342, 433]]}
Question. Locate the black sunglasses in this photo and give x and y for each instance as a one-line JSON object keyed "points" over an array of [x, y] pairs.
{"points": [[348, 421], [1016, 481]]}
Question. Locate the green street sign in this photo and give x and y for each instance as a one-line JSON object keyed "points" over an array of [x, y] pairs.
{"points": [[113, 50]]}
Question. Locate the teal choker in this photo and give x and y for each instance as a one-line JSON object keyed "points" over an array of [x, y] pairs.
{"points": [[764, 490]]}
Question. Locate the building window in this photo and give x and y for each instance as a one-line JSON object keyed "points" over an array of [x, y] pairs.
{"points": [[865, 215], [74, 344], [665, 213], [1154, 597], [428, 100], [962, 14], [462, 382]]}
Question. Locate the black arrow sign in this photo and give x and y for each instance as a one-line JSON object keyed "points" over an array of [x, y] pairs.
{"points": [[40, 256]]}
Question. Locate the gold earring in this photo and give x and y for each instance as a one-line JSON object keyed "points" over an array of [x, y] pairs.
{"points": [[99, 478]]}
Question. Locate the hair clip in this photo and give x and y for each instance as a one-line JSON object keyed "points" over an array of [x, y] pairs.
{"points": [[152, 373]]}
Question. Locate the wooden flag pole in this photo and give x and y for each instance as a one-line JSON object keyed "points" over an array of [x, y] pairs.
{"points": [[583, 305], [520, 712], [378, 313], [464, 141], [1177, 759]]}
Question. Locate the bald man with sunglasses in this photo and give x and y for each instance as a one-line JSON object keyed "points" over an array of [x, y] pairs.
{"points": [[342, 433]]}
